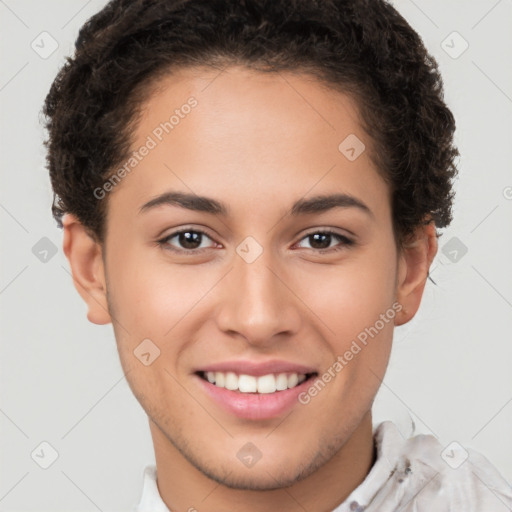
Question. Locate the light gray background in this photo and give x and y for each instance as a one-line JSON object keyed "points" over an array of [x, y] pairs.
{"points": [[61, 379]]}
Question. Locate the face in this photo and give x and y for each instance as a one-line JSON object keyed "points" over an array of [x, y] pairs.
{"points": [[266, 287]]}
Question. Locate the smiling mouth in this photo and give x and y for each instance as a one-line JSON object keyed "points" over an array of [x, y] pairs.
{"points": [[264, 384]]}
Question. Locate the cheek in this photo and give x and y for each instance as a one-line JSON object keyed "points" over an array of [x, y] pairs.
{"points": [[355, 305], [151, 297], [353, 297]]}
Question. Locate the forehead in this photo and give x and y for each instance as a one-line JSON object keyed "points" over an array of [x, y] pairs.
{"points": [[284, 103], [251, 135]]}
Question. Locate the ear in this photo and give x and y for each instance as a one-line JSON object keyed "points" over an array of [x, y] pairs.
{"points": [[413, 266], [85, 259]]}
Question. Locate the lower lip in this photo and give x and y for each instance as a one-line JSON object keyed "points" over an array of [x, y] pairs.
{"points": [[255, 406]]}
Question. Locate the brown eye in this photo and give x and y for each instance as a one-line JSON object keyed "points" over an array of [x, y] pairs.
{"points": [[321, 240], [186, 240], [189, 239]]}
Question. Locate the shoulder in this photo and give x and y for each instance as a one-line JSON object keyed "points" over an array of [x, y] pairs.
{"points": [[423, 475]]}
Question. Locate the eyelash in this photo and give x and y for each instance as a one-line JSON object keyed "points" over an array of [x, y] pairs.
{"points": [[164, 242]]}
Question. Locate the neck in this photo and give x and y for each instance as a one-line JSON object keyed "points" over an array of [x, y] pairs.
{"points": [[184, 488]]}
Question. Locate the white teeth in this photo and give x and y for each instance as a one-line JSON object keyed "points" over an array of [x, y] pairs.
{"points": [[231, 381], [282, 382], [269, 383], [266, 384], [293, 380], [219, 379], [247, 384]]}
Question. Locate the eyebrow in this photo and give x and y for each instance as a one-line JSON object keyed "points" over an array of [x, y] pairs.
{"points": [[317, 204]]}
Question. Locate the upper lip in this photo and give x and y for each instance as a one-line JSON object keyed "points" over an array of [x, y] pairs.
{"points": [[248, 367]]}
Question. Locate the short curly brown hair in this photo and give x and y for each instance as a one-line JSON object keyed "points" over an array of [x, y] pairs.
{"points": [[361, 47]]}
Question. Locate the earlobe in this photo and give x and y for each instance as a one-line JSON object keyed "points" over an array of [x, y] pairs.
{"points": [[85, 259], [414, 264]]}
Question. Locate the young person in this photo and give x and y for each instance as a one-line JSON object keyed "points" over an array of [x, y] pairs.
{"points": [[250, 192]]}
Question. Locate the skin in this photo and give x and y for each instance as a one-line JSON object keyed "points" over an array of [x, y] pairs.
{"points": [[257, 143]]}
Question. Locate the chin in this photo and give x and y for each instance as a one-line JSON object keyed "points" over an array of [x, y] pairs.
{"points": [[263, 479], [263, 475]]}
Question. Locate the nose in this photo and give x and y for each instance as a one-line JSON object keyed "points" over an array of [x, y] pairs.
{"points": [[258, 302]]}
